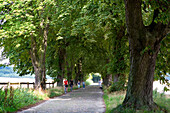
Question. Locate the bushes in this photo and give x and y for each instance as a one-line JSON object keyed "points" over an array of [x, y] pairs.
{"points": [[55, 92], [88, 82], [14, 99], [118, 86]]}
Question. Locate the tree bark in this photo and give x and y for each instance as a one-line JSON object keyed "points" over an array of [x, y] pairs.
{"points": [[144, 45], [38, 59], [35, 63], [140, 82], [43, 57], [107, 79], [116, 78], [62, 53]]}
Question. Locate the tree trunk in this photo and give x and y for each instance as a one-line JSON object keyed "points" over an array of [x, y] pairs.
{"points": [[61, 66], [77, 75], [35, 63], [80, 69], [107, 79], [37, 79], [68, 72], [38, 59], [116, 77], [144, 45], [140, 82], [43, 57], [60, 80]]}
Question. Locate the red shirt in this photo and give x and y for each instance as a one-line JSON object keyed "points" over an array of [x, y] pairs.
{"points": [[65, 82]]}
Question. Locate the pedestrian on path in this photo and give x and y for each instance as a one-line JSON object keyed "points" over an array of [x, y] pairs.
{"points": [[83, 84], [78, 83], [65, 85], [100, 84], [71, 84]]}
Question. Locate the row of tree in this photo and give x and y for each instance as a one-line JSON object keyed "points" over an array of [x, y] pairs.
{"points": [[71, 38]]}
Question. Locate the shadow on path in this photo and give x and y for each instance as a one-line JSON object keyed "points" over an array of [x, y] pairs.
{"points": [[88, 100]]}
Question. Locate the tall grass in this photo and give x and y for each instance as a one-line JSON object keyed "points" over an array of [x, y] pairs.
{"points": [[11, 100], [14, 99], [113, 100]]}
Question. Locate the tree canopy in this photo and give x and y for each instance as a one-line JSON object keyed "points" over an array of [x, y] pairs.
{"points": [[72, 38]]}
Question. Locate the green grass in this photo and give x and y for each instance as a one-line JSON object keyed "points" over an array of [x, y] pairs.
{"points": [[55, 92], [112, 100], [113, 103], [20, 98], [17, 99], [162, 100]]}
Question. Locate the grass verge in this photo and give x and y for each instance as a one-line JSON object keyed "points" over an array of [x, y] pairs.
{"points": [[12, 100], [113, 103]]}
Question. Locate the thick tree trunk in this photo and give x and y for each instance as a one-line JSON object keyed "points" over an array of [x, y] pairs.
{"points": [[77, 75], [140, 83], [38, 59], [144, 42], [35, 63], [116, 77], [37, 79], [68, 72], [107, 79], [80, 69], [43, 57], [62, 52], [60, 80]]}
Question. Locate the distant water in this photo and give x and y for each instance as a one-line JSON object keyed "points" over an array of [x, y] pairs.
{"points": [[22, 79], [9, 73], [17, 80]]}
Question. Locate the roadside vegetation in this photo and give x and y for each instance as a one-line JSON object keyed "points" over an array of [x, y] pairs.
{"points": [[113, 101], [12, 100]]}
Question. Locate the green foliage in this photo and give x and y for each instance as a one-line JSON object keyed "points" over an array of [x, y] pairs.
{"points": [[55, 92], [112, 100], [19, 99], [119, 85], [88, 82], [93, 31], [162, 64], [149, 6], [24, 97], [162, 100], [23, 21]]}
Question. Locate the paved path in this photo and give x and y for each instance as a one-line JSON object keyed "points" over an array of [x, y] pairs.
{"points": [[88, 100]]}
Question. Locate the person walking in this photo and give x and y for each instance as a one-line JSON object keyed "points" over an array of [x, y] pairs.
{"points": [[65, 85], [83, 84], [100, 84], [78, 83], [71, 84]]}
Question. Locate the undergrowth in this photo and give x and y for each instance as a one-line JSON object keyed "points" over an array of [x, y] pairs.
{"points": [[114, 100], [11, 100]]}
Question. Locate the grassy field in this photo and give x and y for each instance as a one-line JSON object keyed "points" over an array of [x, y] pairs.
{"points": [[114, 99]]}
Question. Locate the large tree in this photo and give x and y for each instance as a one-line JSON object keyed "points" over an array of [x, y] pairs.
{"points": [[24, 35], [144, 42]]}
